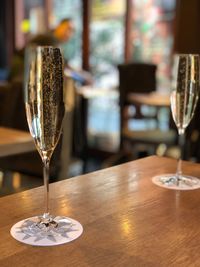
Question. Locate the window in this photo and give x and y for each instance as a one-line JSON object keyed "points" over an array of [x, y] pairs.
{"points": [[152, 39], [70, 9], [107, 40]]}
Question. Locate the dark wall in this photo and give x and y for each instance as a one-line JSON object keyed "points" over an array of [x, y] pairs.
{"points": [[3, 62], [187, 27]]}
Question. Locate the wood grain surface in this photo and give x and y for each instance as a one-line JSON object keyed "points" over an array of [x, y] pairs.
{"points": [[152, 99], [127, 220], [14, 141]]}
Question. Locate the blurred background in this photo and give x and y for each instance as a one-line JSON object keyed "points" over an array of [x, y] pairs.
{"points": [[118, 59]]}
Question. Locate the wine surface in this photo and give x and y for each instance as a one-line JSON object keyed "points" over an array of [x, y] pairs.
{"points": [[183, 104]]}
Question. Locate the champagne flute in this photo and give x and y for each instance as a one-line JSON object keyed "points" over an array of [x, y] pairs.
{"points": [[184, 98], [45, 111]]}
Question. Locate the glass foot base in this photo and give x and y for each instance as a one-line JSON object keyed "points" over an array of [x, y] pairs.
{"points": [[33, 231], [170, 181]]}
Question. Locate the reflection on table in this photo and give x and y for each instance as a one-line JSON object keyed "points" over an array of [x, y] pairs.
{"points": [[13, 182]]}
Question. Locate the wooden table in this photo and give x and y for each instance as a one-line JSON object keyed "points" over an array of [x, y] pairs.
{"points": [[154, 99], [127, 220], [14, 141]]}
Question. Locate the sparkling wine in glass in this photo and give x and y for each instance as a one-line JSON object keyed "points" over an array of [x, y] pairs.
{"points": [[45, 111], [184, 98]]}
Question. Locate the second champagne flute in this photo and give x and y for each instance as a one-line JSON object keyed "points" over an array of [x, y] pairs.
{"points": [[184, 98]]}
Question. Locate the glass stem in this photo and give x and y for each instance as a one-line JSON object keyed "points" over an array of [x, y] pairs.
{"points": [[181, 146], [46, 185]]}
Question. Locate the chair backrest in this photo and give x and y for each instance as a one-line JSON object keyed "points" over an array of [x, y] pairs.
{"points": [[5, 96], [136, 78], [192, 137], [12, 108]]}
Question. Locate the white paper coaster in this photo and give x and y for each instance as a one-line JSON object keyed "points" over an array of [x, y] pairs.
{"points": [[186, 185], [68, 230]]}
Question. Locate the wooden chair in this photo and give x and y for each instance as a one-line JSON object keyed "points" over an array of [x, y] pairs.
{"points": [[191, 149], [139, 78]]}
